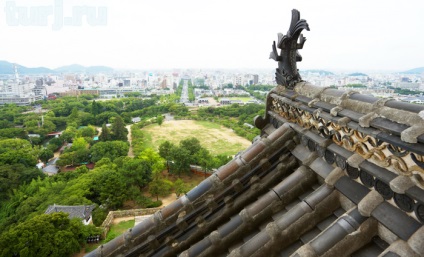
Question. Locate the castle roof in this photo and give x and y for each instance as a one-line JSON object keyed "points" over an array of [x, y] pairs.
{"points": [[334, 173]]}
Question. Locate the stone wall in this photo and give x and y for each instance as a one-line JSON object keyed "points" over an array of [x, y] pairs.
{"points": [[124, 213]]}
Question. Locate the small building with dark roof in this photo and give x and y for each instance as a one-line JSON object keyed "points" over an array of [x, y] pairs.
{"points": [[225, 101], [78, 211]]}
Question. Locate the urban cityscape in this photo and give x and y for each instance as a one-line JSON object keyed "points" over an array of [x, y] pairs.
{"points": [[99, 131], [26, 89]]}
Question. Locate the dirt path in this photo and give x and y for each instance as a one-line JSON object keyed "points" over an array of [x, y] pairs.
{"points": [[212, 101], [118, 220], [130, 151], [168, 199]]}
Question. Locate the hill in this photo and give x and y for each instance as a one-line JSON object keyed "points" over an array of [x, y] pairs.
{"points": [[76, 68], [357, 74], [321, 72], [8, 68], [414, 71]]}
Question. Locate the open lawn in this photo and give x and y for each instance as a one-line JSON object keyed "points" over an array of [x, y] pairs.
{"points": [[115, 231], [121, 227], [214, 137]]}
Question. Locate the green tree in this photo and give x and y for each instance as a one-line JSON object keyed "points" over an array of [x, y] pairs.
{"points": [[137, 171], [5, 124], [17, 151], [74, 117], [204, 159], [191, 144], [105, 116], [99, 215], [13, 133], [109, 149], [169, 99], [132, 94], [32, 122], [14, 175], [68, 158], [68, 134], [88, 131], [180, 187], [152, 159], [45, 155], [109, 187], [105, 162], [86, 119], [79, 143], [83, 156], [119, 131], [159, 120], [47, 126], [181, 161], [160, 187], [53, 235], [221, 160], [55, 143], [95, 108], [78, 153], [105, 135], [59, 121], [165, 151]]}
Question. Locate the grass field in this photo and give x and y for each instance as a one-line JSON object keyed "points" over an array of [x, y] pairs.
{"points": [[121, 227], [214, 137], [115, 231]]}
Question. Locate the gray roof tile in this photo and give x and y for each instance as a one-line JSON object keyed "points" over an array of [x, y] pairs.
{"points": [[77, 211]]}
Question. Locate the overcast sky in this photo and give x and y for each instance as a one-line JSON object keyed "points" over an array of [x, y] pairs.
{"points": [[354, 35]]}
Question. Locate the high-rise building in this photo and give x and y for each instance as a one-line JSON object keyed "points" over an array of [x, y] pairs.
{"points": [[21, 93], [255, 79]]}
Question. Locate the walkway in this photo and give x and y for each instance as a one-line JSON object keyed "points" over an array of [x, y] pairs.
{"points": [[130, 151]]}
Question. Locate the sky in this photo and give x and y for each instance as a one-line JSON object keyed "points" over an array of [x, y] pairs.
{"points": [[345, 35]]}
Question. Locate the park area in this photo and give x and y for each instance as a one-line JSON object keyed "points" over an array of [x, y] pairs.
{"points": [[214, 137]]}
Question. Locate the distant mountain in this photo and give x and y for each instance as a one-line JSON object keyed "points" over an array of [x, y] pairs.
{"points": [[8, 68], [321, 72], [71, 68], [415, 71], [358, 74], [97, 69], [76, 68]]}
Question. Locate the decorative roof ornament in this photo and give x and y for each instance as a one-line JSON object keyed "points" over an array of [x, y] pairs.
{"points": [[287, 74]]}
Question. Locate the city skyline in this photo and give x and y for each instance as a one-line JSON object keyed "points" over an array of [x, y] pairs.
{"points": [[353, 35]]}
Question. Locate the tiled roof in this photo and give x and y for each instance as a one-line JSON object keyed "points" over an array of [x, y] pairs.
{"points": [[333, 174], [76, 211]]}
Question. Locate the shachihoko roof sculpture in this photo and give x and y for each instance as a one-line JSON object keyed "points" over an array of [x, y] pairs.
{"points": [[334, 173]]}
